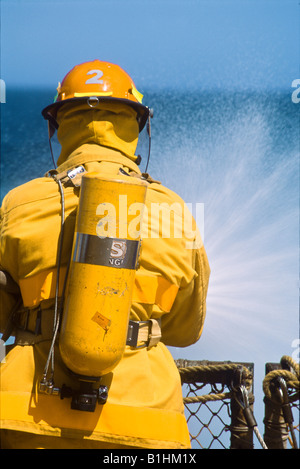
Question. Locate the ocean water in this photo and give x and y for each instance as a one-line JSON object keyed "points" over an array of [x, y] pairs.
{"points": [[238, 154]]}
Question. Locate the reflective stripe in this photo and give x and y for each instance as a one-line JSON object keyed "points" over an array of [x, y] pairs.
{"points": [[148, 289], [110, 252], [102, 93], [50, 415]]}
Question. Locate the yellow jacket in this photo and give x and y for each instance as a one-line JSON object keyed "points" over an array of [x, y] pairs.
{"points": [[144, 406]]}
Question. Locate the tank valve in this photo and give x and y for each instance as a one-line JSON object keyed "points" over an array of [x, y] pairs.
{"points": [[47, 387], [86, 397]]}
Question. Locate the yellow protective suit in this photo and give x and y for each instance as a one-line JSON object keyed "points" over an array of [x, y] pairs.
{"points": [[144, 407]]}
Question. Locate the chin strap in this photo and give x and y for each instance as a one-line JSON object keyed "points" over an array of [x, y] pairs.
{"points": [[51, 131]]}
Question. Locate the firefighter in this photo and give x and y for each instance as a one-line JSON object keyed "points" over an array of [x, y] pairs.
{"points": [[47, 399]]}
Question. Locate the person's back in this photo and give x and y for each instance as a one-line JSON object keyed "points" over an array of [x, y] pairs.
{"points": [[144, 408]]}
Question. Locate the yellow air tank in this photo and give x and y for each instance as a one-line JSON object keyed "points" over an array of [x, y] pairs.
{"points": [[102, 271]]}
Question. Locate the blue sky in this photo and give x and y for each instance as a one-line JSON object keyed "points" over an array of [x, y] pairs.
{"points": [[163, 43]]}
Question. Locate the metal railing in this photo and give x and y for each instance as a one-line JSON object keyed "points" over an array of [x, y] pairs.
{"points": [[218, 399], [282, 407], [214, 403]]}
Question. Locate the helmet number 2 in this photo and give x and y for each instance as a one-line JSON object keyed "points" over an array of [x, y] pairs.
{"points": [[96, 79]]}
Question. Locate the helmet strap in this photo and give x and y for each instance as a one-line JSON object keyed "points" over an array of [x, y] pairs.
{"points": [[51, 130]]}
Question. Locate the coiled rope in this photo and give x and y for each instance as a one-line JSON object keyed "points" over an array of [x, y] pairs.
{"points": [[275, 387], [292, 378]]}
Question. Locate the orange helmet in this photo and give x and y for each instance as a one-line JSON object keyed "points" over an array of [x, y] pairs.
{"points": [[94, 82]]}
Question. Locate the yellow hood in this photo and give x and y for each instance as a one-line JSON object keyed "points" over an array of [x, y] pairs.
{"points": [[113, 126]]}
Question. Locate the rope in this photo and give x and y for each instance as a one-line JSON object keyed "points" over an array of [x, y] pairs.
{"points": [[208, 368], [204, 373], [207, 398], [290, 378], [288, 361]]}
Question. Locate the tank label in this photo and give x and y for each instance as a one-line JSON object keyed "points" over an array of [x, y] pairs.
{"points": [[110, 252], [102, 321]]}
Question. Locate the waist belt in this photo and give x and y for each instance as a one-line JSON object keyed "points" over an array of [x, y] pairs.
{"points": [[147, 332], [37, 324]]}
